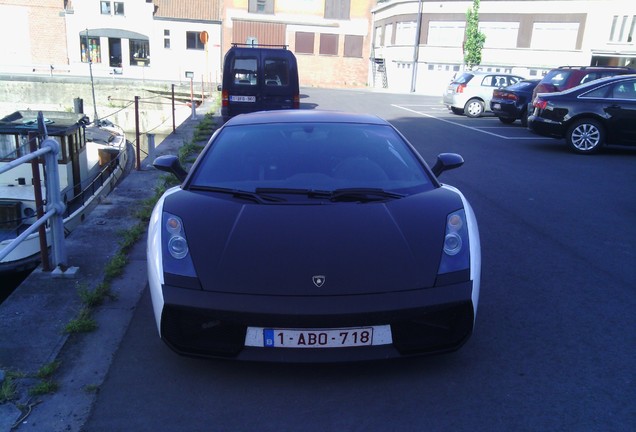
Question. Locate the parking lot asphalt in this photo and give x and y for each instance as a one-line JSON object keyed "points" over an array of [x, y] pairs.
{"points": [[33, 318]]}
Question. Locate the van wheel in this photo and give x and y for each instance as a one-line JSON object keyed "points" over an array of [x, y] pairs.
{"points": [[474, 108]]}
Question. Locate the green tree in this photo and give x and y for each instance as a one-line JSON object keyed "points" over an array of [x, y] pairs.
{"points": [[474, 38]]}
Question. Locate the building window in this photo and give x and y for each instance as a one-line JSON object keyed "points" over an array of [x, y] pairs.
{"points": [[554, 35], [166, 38], [90, 49], [379, 41], [446, 33], [353, 46], [405, 33], [139, 52], [105, 7], [337, 9], [119, 8], [328, 44], [500, 34], [305, 42], [193, 41], [261, 6], [623, 28]]}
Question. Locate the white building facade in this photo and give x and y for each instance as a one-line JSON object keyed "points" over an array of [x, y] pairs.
{"points": [[526, 37]]}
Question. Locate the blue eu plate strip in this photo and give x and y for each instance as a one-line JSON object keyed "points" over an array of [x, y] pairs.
{"points": [[268, 337]]}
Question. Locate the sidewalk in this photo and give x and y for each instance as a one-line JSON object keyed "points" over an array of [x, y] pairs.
{"points": [[32, 319]]}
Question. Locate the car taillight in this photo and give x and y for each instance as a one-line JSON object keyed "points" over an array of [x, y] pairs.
{"points": [[511, 96], [225, 98], [296, 101], [540, 103], [460, 88]]}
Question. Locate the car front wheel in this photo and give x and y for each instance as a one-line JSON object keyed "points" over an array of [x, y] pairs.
{"points": [[474, 108], [585, 136]]}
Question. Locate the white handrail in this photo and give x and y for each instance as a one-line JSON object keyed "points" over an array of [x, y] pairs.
{"points": [[49, 149]]}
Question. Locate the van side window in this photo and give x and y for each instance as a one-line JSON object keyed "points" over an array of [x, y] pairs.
{"points": [[276, 72], [245, 71]]}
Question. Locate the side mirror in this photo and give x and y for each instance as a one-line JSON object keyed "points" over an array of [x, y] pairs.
{"points": [[170, 164], [219, 87], [447, 161]]}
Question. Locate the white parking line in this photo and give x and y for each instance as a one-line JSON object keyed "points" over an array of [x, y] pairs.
{"points": [[403, 107]]}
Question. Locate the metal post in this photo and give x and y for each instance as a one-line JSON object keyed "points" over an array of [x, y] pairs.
{"points": [[194, 111], [137, 136], [39, 204], [174, 128], [54, 202], [416, 48], [90, 69]]}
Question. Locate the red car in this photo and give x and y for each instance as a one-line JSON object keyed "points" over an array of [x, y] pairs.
{"points": [[566, 77]]}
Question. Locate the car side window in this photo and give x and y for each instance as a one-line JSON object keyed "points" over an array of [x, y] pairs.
{"points": [[624, 90], [489, 81], [513, 80]]}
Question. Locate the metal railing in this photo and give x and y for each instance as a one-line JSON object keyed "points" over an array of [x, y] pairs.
{"points": [[49, 149]]}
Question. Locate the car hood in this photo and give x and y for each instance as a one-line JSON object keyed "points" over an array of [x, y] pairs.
{"points": [[314, 249]]}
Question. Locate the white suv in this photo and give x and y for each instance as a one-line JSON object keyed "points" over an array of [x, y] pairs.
{"points": [[470, 92]]}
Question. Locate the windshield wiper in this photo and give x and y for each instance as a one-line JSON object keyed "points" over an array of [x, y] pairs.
{"points": [[256, 196], [339, 195], [363, 194]]}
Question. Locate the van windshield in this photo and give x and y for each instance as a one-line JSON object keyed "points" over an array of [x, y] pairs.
{"points": [[245, 71]]}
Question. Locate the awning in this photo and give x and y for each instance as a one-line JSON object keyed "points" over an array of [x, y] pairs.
{"points": [[113, 33]]}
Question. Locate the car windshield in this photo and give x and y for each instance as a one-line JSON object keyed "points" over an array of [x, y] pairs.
{"points": [[296, 157], [557, 78]]}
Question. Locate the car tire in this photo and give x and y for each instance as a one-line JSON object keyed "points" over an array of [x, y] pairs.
{"points": [[585, 136], [457, 111], [474, 108], [524, 118], [506, 120]]}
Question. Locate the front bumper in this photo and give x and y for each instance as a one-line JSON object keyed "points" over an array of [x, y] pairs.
{"points": [[426, 321]]}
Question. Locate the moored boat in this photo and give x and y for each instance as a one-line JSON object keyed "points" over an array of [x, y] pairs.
{"points": [[91, 160]]}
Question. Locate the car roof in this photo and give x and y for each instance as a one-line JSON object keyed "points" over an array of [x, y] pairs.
{"points": [[595, 83], [303, 116]]}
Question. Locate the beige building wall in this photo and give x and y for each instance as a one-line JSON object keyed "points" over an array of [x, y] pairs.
{"points": [[338, 68]]}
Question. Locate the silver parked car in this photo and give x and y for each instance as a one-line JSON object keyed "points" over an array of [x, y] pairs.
{"points": [[470, 92]]}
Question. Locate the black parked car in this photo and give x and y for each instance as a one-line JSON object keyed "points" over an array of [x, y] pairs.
{"points": [[511, 103], [590, 115], [312, 236]]}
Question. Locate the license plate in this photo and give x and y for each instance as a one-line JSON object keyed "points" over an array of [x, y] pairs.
{"points": [[243, 98], [496, 106], [318, 338]]}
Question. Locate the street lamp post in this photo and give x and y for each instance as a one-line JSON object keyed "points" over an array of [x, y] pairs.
{"points": [[416, 46]]}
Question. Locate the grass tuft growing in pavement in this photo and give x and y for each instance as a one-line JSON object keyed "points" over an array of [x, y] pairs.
{"points": [[44, 387], [8, 391], [82, 323]]}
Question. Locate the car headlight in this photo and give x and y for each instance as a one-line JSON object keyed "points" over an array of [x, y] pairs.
{"points": [[455, 253], [176, 253]]}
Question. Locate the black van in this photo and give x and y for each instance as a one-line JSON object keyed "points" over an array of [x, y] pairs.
{"points": [[257, 78]]}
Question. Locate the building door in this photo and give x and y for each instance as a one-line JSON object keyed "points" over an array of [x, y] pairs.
{"points": [[114, 48]]}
